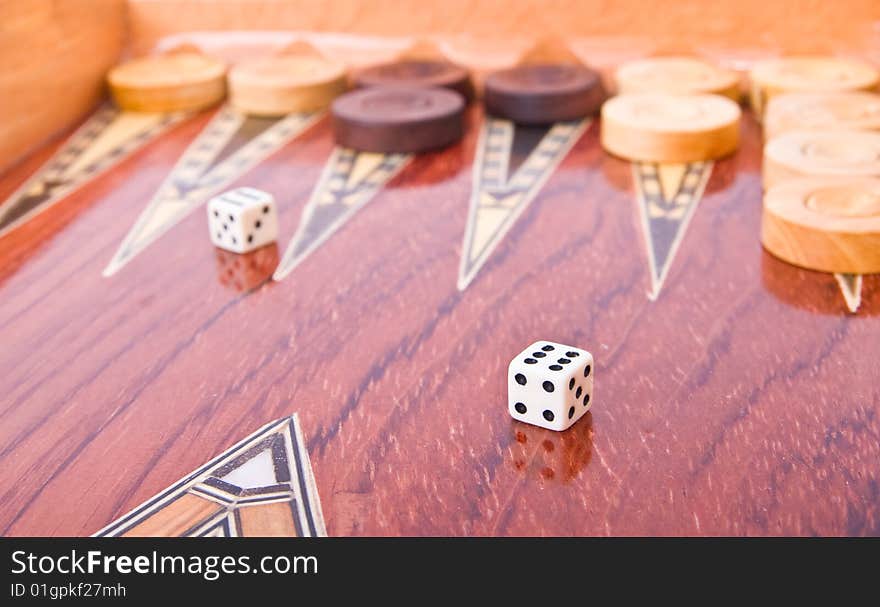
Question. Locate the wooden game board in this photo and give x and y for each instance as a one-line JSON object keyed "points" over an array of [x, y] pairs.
{"points": [[735, 394]]}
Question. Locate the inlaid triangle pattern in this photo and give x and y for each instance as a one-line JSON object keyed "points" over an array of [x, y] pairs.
{"points": [[263, 486], [349, 181], [106, 138], [851, 289], [511, 165], [667, 196], [229, 146]]}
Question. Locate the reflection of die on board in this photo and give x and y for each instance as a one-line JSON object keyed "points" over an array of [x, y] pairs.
{"points": [[245, 272], [550, 455]]}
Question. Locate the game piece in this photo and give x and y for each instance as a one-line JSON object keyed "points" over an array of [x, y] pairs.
{"points": [[420, 73], [740, 392], [660, 127], [550, 385], [229, 145], [855, 110], [398, 119], [274, 86], [168, 83], [821, 154], [824, 224], [808, 74], [543, 93], [242, 220], [676, 75]]}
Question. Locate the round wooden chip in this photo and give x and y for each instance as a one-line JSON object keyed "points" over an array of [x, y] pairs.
{"points": [[808, 74], [168, 83], [543, 93], [660, 127], [418, 73], [677, 75], [274, 86], [830, 225], [398, 119], [821, 154], [822, 111]]}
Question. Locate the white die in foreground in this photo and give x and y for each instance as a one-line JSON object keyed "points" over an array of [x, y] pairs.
{"points": [[550, 385], [242, 220]]}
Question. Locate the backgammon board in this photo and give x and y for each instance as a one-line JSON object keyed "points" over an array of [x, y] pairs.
{"points": [[351, 377]]}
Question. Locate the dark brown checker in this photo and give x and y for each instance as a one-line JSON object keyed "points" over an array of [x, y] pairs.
{"points": [[544, 93], [398, 119], [422, 73]]}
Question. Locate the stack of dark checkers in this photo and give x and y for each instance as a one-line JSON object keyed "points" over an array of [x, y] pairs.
{"points": [[421, 73], [544, 93], [398, 119], [403, 107]]}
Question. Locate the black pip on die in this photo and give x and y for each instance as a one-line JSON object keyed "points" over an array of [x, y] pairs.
{"points": [[242, 220], [550, 385]]}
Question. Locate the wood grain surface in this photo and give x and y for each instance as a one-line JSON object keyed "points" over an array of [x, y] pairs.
{"points": [[745, 400], [680, 26], [53, 57]]}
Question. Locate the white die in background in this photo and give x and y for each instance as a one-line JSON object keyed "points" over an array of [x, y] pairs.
{"points": [[242, 220], [550, 385]]}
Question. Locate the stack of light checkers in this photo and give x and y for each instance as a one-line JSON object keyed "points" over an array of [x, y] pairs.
{"points": [[286, 83], [183, 80], [174, 82], [821, 170], [672, 109]]}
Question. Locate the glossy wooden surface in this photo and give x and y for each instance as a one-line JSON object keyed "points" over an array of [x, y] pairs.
{"points": [[745, 400], [54, 56], [681, 26]]}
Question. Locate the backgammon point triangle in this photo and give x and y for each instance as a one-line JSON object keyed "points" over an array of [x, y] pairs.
{"points": [[164, 212], [106, 138], [490, 219], [261, 486], [667, 196], [851, 289], [316, 227], [349, 181], [226, 148], [511, 166]]}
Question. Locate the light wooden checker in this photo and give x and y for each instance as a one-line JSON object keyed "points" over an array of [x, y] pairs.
{"points": [[830, 225], [677, 75], [822, 111], [661, 127], [168, 83], [274, 86], [808, 74], [841, 154]]}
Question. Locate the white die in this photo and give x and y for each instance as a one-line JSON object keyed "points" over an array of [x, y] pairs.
{"points": [[242, 220], [550, 385]]}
